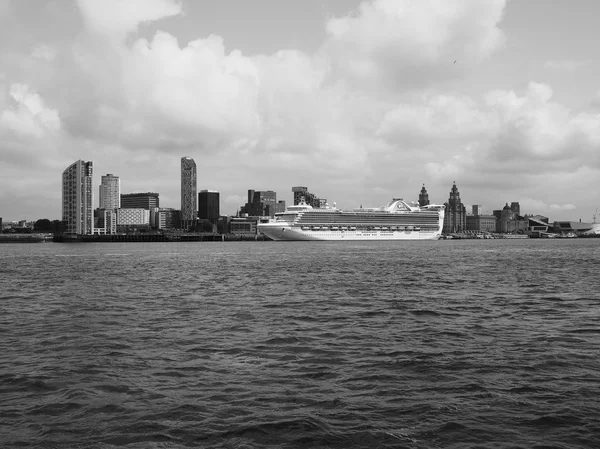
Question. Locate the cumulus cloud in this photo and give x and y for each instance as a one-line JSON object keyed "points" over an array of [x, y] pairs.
{"points": [[198, 90], [116, 18], [407, 43], [27, 114]]}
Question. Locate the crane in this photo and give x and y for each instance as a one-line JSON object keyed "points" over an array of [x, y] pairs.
{"points": [[594, 216]]}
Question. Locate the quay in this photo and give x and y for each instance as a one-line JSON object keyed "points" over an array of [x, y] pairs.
{"points": [[159, 237]]}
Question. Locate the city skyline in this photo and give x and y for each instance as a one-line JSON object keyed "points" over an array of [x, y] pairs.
{"points": [[361, 102]]}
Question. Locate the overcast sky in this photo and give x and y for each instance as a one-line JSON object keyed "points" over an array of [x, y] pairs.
{"points": [[358, 101]]}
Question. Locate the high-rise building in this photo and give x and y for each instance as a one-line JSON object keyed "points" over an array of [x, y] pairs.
{"points": [[77, 198], [477, 210], [423, 197], [146, 200], [208, 205], [189, 198], [110, 192], [456, 214]]}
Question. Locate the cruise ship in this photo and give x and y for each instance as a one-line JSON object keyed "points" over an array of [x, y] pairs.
{"points": [[397, 220]]}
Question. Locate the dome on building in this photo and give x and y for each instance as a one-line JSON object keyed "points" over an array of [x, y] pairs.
{"points": [[507, 207]]}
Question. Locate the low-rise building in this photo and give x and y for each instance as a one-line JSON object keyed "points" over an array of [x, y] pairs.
{"points": [[128, 219], [165, 218], [243, 225], [481, 223]]}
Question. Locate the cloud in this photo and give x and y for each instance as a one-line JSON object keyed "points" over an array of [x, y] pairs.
{"points": [[379, 107], [567, 64], [116, 18], [27, 114], [562, 207], [408, 43], [188, 95]]}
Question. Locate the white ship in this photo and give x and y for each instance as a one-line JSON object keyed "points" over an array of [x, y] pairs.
{"points": [[397, 220]]}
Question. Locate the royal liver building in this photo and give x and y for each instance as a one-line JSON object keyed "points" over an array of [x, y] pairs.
{"points": [[455, 219], [189, 198]]}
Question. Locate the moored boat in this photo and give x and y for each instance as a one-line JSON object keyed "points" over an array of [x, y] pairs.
{"points": [[397, 220]]}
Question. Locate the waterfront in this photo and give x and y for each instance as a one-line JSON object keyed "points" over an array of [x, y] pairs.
{"points": [[435, 344]]}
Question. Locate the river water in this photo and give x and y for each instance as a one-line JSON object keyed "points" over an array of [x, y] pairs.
{"points": [[445, 344]]}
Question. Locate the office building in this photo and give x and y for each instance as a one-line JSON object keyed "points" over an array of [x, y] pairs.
{"points": [[164, 218], [510, 221], [106, 221], [515, 207], [77, 198], [243, 226], [189, 198], [456, 214], [302, 193], [110, 192], [146, 200], [208, 205], [132, 218], [479, 222], [262, 203]]}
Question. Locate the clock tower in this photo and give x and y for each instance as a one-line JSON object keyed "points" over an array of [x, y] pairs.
{"points": [[455, 219]]}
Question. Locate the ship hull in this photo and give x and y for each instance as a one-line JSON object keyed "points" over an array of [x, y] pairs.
{"points": [[281, 233]]}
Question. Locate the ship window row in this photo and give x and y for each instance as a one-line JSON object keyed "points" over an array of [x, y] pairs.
{"points": [[370, 220]]}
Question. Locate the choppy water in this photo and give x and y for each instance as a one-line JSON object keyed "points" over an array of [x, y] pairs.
{"points": [[284, 345]]}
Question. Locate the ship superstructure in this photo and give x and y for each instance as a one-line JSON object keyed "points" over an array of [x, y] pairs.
{"points": [[397, 220]]}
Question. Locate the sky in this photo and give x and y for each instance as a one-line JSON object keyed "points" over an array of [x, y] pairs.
{"points": [[358, 101]]}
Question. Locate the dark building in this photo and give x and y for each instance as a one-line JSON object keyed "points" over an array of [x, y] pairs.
{"points": [[515, 208], [455, 218], [262, 204], [147, 200], [208, 205], [510, 221], [164, 218], [309, 198], [423, 197], [479, 222]]}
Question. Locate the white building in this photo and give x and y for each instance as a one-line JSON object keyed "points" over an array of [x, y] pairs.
{"points": [[133, 217], [110, 192]]}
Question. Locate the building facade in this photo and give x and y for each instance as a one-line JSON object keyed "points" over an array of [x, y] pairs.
{"points": [[243, 226], [189, 194], [208, 205], [510, 220], [146, 200], [164, 218], [77, 198], [106, 221], [262, 203], [309, 198], [455, 218], [110, 192], [132, 218], [481, 223], [423, 197]]}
